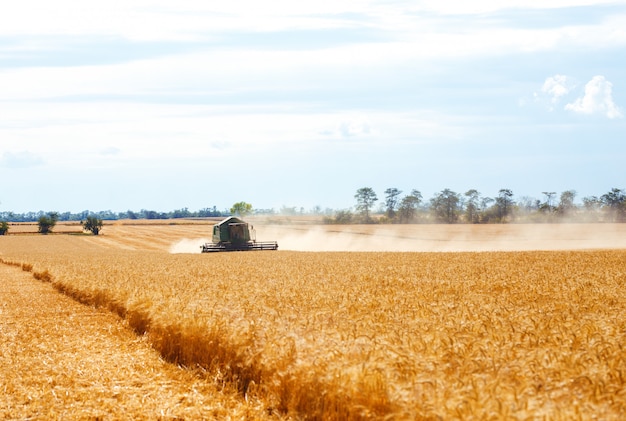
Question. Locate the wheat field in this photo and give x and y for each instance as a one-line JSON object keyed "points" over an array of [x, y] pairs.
{"points": [[363, 335]]}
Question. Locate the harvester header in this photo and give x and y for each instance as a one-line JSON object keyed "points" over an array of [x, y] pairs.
{"points": [[233, 234]]}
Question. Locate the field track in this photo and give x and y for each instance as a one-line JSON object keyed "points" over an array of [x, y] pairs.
{"points": [[63, 360]]}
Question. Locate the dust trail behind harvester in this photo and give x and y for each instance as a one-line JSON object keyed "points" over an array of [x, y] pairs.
{"points": [[188, 245], [450, 238]]}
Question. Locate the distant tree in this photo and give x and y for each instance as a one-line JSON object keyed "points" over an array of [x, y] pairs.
{"points": [[446, 206], [391, 201], [4, 227], [504, 203], [150, 214], [591, 203], [407, 211], [566, 203], [180, 213], [527, 204], [547, 206], [592, 206], [288, 210], [92, 224], [472, 209], [341, 217], [47, 222], [615, 202], [205, 212], [365, 198], [241, 209], [487, 214]]}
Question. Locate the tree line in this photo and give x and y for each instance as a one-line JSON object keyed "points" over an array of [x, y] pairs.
{"points": [[93, 221], [108, 215], [471, 207], [446, 206], [47, 222]]}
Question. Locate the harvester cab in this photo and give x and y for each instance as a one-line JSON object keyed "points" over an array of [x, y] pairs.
{"points": [[233, 234]]}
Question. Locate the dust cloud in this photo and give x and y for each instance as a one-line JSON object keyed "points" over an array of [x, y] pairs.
{"points": [[188, 245], [433, 238], [450, 238]]}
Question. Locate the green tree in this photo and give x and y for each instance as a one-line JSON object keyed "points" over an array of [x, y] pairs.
{"points": [[47, 222], [615, 202], [407, 210], [92, 224], [487, 213], [591, 203], [592, 206], [4, 227], [566, 203], [472, 208], [504, 203], [547, 206], [391, 201], [446, 206], [241, 209], [365, 198], [341, 217]]}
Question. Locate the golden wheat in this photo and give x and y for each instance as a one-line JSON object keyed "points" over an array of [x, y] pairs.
{"points": [[63, 360], [369, 335]]}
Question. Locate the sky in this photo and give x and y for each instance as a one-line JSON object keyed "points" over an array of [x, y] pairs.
{"points": [[160, 105]]}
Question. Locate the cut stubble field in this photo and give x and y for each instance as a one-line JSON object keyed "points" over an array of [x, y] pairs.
{"points": [[406, 331]]}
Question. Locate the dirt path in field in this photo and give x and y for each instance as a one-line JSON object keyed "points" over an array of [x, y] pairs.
{"points": [[62, 360]]}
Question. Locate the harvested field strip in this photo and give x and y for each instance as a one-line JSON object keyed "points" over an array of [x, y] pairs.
{"points": [[63, 360], [359, 335]]}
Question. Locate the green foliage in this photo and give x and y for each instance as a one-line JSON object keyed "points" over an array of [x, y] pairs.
{"points": [[472, 207], [92, 224], [241, 209], [391, 202], [566, 204], [615, 202], [407, 211], [46, 223], [446, 206], [365, 198], [504, 203], [4, 227], [341, 217]]}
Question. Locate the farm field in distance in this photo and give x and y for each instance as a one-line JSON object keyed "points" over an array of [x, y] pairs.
{"points": [[411, 322]]}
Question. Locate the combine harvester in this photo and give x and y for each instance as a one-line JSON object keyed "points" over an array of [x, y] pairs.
{"points": [[233, 234]]}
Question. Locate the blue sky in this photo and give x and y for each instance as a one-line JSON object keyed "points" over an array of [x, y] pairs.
{"points": [[163, 105]]}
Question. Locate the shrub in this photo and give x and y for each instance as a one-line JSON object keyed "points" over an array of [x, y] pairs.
{"points": [[92, 224], [46, 223]]}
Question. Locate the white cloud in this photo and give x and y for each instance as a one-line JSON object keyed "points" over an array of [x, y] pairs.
{"points": [[598, 99], [190, 20], [161, 20], [487, 6], [555, 87]]}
